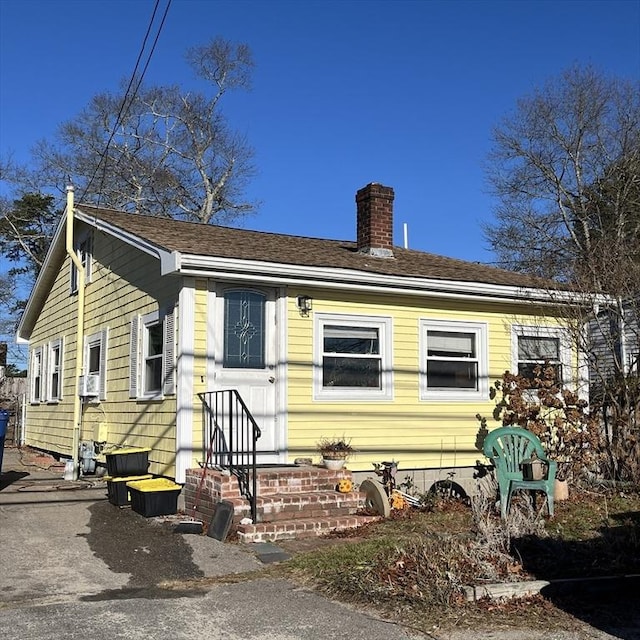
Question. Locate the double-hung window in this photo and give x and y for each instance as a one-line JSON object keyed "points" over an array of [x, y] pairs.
{"points": [[151, 364], [37, 376], [152, 357], [536, 346], [453, 360], [352, 357], [54, 373]]}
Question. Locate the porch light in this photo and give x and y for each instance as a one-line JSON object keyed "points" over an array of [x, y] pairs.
{"points": [[304, 305]]}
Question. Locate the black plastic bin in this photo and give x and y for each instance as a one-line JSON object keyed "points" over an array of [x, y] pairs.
{"points": [[4, 421], [117, 490], [157, 497], [131, 461]]}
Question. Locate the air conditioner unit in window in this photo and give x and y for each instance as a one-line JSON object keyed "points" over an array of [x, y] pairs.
{"points": [[89, 386]]}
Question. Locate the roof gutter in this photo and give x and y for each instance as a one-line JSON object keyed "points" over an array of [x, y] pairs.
{"points": [[268, 272]]}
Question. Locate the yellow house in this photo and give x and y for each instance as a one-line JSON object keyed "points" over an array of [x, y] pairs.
{"points": [[136, 324]]}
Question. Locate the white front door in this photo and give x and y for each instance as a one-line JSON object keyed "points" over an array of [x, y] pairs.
{"points": [[245, 356]]}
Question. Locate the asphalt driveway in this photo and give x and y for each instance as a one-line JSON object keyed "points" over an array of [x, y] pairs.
{"points": [[72, 565]]}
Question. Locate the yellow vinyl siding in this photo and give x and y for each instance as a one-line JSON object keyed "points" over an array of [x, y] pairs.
{"points": [[418, 433], [125, 282], [47, 428]]}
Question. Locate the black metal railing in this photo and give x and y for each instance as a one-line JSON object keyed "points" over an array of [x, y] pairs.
{"points": [[230, 437]]}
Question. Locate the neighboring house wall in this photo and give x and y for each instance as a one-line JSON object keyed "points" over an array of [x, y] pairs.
{"points": [[45, 427], [614, 346]]}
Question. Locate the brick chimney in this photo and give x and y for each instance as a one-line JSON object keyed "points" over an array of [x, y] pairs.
{"points": [[375, 220]]}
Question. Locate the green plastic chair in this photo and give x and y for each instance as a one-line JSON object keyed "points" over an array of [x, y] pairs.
{"points": [[508, 448]]}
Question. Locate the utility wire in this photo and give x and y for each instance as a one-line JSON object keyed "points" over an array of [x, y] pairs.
{"points": [[126, 100]]}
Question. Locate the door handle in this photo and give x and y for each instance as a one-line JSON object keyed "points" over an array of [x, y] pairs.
{"points": [[272, 379]]}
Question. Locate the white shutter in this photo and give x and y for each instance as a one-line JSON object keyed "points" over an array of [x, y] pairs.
{"points": [[168, 364], [103, 364], [134, 351]]}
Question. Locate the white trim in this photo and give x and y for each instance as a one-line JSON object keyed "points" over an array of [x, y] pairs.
{"points": [[185, 325], [211, 334], [163, 255], [282, 273], [561, 334], [281, 425], [481, 331], [384, 325]]}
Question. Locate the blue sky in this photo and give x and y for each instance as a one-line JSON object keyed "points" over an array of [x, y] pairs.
{"points": [[344, 92]]}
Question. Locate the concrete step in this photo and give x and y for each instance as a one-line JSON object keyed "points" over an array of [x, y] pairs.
{"points": [[299, 528]]}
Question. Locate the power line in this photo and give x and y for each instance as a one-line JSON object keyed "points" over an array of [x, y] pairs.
{"points": [[126, 100]]}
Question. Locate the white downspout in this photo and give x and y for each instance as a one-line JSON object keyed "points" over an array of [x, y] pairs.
{"points": [[80, 281]]}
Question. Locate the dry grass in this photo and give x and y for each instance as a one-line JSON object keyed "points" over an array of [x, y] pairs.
{"points": [[414, 565]]}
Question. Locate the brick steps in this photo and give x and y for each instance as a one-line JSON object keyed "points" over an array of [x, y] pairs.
{"points": [[292, 502], [299, 528]]}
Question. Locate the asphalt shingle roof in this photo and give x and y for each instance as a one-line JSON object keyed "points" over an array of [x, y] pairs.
{"points": [[228, 242]]}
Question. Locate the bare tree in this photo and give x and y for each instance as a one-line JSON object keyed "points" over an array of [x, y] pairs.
{"points": [[160, 150], [565, 168], [548, 157]]}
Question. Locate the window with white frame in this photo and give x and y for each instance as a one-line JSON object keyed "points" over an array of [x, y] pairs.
{"points": [[37, 378], [151, 370], [353, 357], [536, 346], [453, 360], [54, 370], [95, 360], [83, 248]]}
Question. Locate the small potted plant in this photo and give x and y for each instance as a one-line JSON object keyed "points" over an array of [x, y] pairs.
{"points": [[334, 452]]}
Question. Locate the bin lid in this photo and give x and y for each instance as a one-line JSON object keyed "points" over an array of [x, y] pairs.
{"points": [[126, 450], [156, 484], [147, 476]]}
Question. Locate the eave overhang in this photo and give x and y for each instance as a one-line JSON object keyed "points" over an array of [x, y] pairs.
{"points": [[262, 272]]}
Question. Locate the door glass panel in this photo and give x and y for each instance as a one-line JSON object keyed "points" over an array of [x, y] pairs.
{"points": [[244, 330]]}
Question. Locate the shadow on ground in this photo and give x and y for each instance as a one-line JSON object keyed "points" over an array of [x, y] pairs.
{"points": [[7, 478], [145, 548], [597, 580]]}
